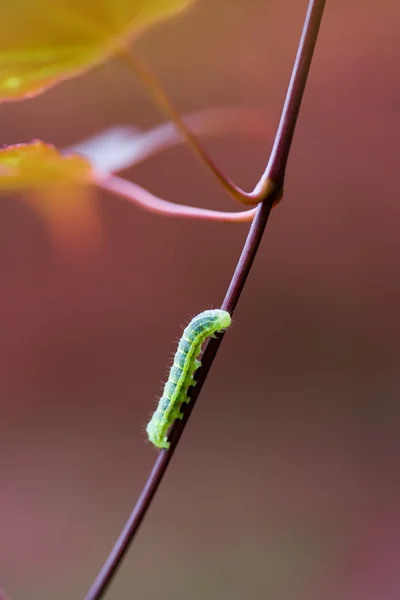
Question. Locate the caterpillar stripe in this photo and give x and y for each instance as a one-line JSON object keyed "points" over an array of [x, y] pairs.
{"points": [[181, 375]]}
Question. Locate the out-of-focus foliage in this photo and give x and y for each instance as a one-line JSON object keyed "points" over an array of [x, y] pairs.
{"points": [[59, 189], [40, 165], [44, 41]]}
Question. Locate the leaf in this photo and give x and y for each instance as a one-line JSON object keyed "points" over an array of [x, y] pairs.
{"points": [[43, 42], [40, 165], [59, 189]]}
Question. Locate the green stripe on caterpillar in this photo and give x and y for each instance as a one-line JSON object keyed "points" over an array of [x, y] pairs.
{"points": [[181, 375]]}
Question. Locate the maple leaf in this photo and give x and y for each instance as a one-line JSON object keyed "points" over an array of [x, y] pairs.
{"points": [[45, 41], [39, 165]]}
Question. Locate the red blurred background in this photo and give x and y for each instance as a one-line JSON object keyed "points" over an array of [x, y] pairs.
{"points": [[286, 484]]}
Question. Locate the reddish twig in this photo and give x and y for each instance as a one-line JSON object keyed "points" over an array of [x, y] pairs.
{"points": [[139, 196]]}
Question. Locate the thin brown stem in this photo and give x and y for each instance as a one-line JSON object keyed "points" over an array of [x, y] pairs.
{"points": [[277, 166]]}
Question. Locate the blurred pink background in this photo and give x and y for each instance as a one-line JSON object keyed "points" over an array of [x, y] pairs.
{"points": [[286, 484]]}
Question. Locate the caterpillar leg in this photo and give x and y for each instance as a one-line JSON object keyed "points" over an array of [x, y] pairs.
{"points": [[177, 414], [164, 443], [186, 398]]}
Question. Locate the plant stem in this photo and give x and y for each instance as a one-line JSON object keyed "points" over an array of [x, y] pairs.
{"points": [[264, 187], [139, 196], [276, 167]]}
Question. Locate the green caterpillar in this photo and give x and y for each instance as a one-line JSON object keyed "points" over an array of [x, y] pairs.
{"points": [[181, 375]]}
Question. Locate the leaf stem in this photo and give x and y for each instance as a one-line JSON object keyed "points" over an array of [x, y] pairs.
{"points": [[277, 167], [265, 186], [146, 144], [139, 196]]}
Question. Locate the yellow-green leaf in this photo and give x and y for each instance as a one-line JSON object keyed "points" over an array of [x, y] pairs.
{"points": [[45, 41], [39, 165]]}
